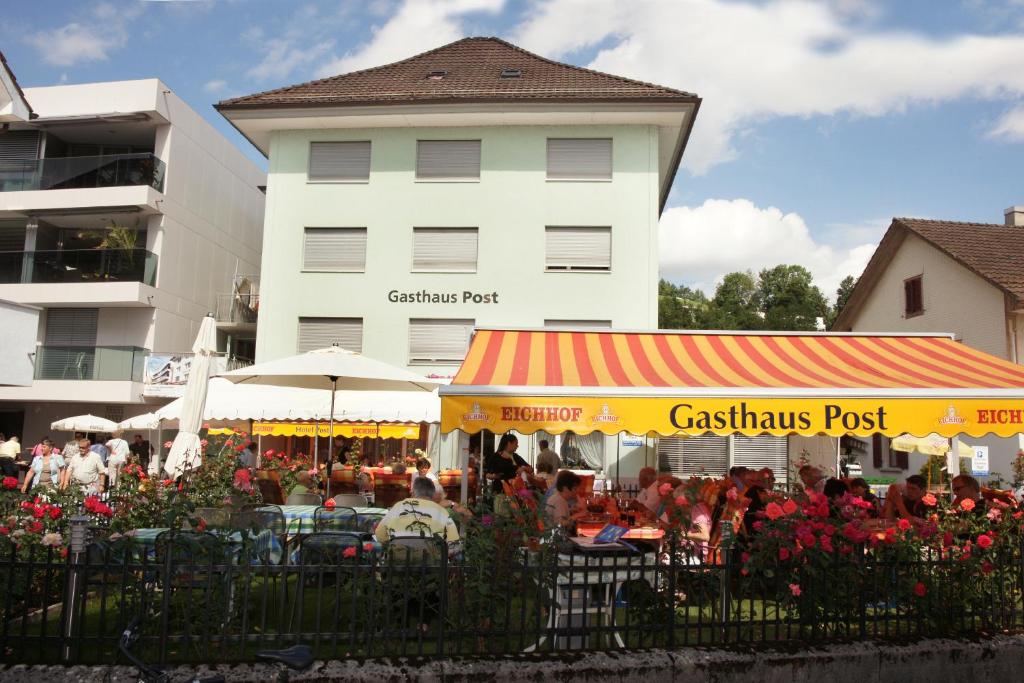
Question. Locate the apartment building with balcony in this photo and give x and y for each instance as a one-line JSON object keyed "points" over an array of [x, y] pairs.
{"points": [[123, 217]]}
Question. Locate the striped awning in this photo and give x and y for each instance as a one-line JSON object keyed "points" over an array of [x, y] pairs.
{"points": [[775, 383]]}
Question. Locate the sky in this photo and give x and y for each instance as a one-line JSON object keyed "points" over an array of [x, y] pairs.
{"points": [[821, 120]]}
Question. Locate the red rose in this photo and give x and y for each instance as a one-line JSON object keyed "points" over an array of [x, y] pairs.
{"points": [[984, 541], [920, 589], [330, 504], [10, 483], [201, 526], [54, 513], [349, 551]]}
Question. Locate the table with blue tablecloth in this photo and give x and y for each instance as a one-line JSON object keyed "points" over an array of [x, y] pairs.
{"points": [[264, 543], [299, 519]]}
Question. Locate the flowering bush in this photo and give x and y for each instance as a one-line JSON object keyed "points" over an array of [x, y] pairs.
{"points": [[286, 466]]}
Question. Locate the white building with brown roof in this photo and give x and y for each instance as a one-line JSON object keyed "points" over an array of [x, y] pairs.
{"points": [[945, 276]]}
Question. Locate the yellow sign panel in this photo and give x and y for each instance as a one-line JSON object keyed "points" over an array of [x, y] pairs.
{"points": [[750, 416], [348, 429]]}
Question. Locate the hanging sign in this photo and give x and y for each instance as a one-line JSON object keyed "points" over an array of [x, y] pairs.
{"points": [[979, 463]]}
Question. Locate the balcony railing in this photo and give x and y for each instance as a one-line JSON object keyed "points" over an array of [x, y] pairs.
{"points": [[238, 308], [61, 173], [124, 363], [78, 265]]}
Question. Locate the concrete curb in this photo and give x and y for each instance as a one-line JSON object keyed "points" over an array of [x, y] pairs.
{"points": [[927, 661]]}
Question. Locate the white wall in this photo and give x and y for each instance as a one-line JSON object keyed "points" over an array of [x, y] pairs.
{"points": [[17, 343]]}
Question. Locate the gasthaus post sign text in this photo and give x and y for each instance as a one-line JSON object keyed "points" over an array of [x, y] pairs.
{"points": [[752, 416]]}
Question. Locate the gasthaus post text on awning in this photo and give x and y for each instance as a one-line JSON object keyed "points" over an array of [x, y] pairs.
{"points": [[671, 382]]}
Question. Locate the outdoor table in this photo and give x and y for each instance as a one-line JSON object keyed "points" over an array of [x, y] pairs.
{"points": [[264, 542], [637, 533], [586, 586], [298, 519]]}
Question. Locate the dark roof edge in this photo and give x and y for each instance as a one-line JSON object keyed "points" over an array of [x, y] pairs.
{"points": [[677, 158], [235, 103], [17, 86]]}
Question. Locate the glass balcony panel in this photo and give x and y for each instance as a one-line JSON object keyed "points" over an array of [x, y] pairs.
{"points": [[78, 265], [112, 170], [117, 363]]}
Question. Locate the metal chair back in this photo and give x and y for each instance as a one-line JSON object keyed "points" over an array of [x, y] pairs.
{"points": [[334, 519], [352, 500], [304, 499], [328, 547]]}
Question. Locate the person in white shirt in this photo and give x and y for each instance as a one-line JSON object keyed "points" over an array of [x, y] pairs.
{"points": [[119, 452], [558, 510], [546, 455], [85, 469]]}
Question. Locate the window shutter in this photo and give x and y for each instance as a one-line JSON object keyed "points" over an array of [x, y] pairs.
{"points": [[19, 145], [319, 333], [71, 326], [579, 158], [756, 452], [579, 249], [438, 341], [902, 460], [445, 249], [448, 159], [339, 161], [334, 249], [580, 324], [876, 451], [698, 455]]}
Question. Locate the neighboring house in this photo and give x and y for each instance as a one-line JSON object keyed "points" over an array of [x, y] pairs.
{"points": [[943, 276], [123, 216], [475, 184]]}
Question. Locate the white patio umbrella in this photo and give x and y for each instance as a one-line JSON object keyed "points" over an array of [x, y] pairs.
{"points": [[84, 423], [331, 369], [184, 453]]}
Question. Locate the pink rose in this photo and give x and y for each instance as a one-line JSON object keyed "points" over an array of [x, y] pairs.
{"points": [[984, 541], [665, 489], [773, 511], [794, 588], [789, 507], [681, 501]]}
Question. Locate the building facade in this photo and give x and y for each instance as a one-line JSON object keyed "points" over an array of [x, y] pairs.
{"points": [[942, 276], [475, 184], [123, 216]]}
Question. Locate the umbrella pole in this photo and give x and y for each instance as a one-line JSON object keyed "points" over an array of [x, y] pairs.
{"points": [[330, 436]]}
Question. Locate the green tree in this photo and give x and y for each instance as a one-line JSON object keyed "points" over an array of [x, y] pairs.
{"points": [[788, 299], [842, 296], [680, 307], [734, 306]]}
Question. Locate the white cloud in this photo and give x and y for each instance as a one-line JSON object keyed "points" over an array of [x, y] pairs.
{"points": [[283, 56], [1010, 125], [701, 244], [418, 26], [215, 86], [751, 62], [73, 43]]}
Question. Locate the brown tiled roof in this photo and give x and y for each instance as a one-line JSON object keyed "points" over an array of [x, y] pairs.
{"points": [[473, 69], [992, 250], [14, 79]]}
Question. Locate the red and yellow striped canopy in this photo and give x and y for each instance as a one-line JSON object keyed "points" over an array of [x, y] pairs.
{"points": [[507, 371]]}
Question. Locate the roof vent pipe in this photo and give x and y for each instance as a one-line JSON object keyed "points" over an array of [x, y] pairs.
{"points": [[1015, 216]]}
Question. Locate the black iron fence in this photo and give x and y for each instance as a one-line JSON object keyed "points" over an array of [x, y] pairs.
{"points": [[203, 599]]}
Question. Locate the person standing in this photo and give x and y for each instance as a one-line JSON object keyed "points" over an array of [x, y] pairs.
{"points": [[505, 464], [142, 450], [119, 453], [546, 455], [100, 448], [9, 452], [46, 470], [71, 447], [85, 469]]}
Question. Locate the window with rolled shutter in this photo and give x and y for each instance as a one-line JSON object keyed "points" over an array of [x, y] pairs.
{"points": [[445, 249], [433, 340], [756, 452], [19, 145], [71, 326], [703, 456], [334, 249], [580, 324], [448, 160], [339, 161], [579, 159], [320, 333], [578, 248]]}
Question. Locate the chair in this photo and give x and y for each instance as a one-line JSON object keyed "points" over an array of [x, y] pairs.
{"points": [[334, 519], [259, 517], [388, 489], [366, 522], [192, 556], [78, 367], [328, 547], [304, 499], [352, 500], [343, 480], [451, 482], [270, 491], [215, 518]]}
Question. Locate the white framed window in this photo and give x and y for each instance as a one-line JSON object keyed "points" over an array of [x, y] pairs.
{"points": [[703, 456], [434, 341], [580, 324], [339, 250], [339, 162], [450, 250], [448, 160], [579, 159], [578, 248], [320, 333]]}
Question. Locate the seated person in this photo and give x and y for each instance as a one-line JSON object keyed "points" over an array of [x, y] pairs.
{"points": [[759, 499], [766, 478], [398, 468], [418, 517], [558, 510], [966, 487], [835, 490], [423, 470], [303, 483], [860, 488], [906, 502], [648, 498], [546, 473]]}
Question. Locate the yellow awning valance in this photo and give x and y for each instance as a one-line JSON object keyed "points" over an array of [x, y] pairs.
{"points": [[347, 429], [726, 383]]}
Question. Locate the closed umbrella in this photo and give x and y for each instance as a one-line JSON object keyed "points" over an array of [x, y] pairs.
{"points": [[184, 453], [84, 423], [331, 369]]}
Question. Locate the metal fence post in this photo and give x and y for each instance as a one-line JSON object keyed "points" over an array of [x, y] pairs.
{"points": [[725, 544], [79, 540]]}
